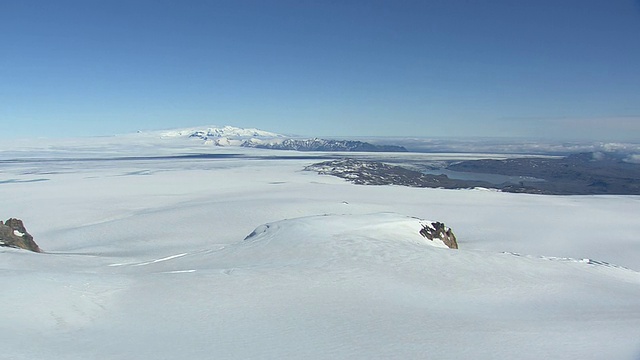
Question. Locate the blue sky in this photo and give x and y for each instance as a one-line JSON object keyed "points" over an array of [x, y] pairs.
{"points": [[559, 69]]}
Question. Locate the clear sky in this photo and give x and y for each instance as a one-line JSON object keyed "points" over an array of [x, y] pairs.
{"points": [[544, 68]]}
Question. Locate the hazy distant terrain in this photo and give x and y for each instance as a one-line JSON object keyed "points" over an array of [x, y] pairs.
{"points": [[576, 174]]}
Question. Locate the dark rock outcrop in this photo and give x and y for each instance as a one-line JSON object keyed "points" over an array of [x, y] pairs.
{"points": [[364, 172], [437, 230], [14, 234]]}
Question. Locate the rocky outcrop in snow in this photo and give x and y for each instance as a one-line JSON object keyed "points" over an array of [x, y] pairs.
{"points": [[437, 230], [14, 234], [363, 172]]}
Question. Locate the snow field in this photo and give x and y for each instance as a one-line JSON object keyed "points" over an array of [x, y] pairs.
{"points": [[148, 260]]}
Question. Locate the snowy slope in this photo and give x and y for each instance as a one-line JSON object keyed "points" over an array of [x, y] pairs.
{"points": [[152, 259]]}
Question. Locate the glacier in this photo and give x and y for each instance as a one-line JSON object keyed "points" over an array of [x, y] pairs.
{"points": [[152, 257]]}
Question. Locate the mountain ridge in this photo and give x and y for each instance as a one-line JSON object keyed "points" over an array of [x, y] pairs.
{"points": [[261, 139]]}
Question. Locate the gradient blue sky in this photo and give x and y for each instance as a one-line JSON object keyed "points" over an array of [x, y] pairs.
{"points": [[557, 69]]}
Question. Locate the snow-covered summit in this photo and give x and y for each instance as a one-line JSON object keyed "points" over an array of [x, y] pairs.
{"points": [[381, 227], [216, 132], [319, 240], [255, 138]]}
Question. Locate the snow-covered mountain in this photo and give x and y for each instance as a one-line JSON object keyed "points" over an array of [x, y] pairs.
{"points": [[255, 138], [216, 135], [212, 133]]}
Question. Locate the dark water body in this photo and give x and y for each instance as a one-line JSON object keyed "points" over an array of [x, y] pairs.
{"points": [[494, 179]]}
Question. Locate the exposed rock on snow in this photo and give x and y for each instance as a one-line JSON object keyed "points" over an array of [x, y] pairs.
{"points": [[363, 172], [437, 230], [14, 234]]}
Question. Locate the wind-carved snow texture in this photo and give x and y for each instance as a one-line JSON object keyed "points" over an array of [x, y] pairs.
{"points": [[566, 259], [161, 265]]}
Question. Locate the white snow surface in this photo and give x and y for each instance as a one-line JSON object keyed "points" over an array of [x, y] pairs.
{"points": [[252, 258]]}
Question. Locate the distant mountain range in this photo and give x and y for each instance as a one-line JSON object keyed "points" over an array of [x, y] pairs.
{"points": [[323, 145], [255, 138]]}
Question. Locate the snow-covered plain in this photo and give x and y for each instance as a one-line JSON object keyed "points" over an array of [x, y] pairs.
{"points": [[146, 258]]}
